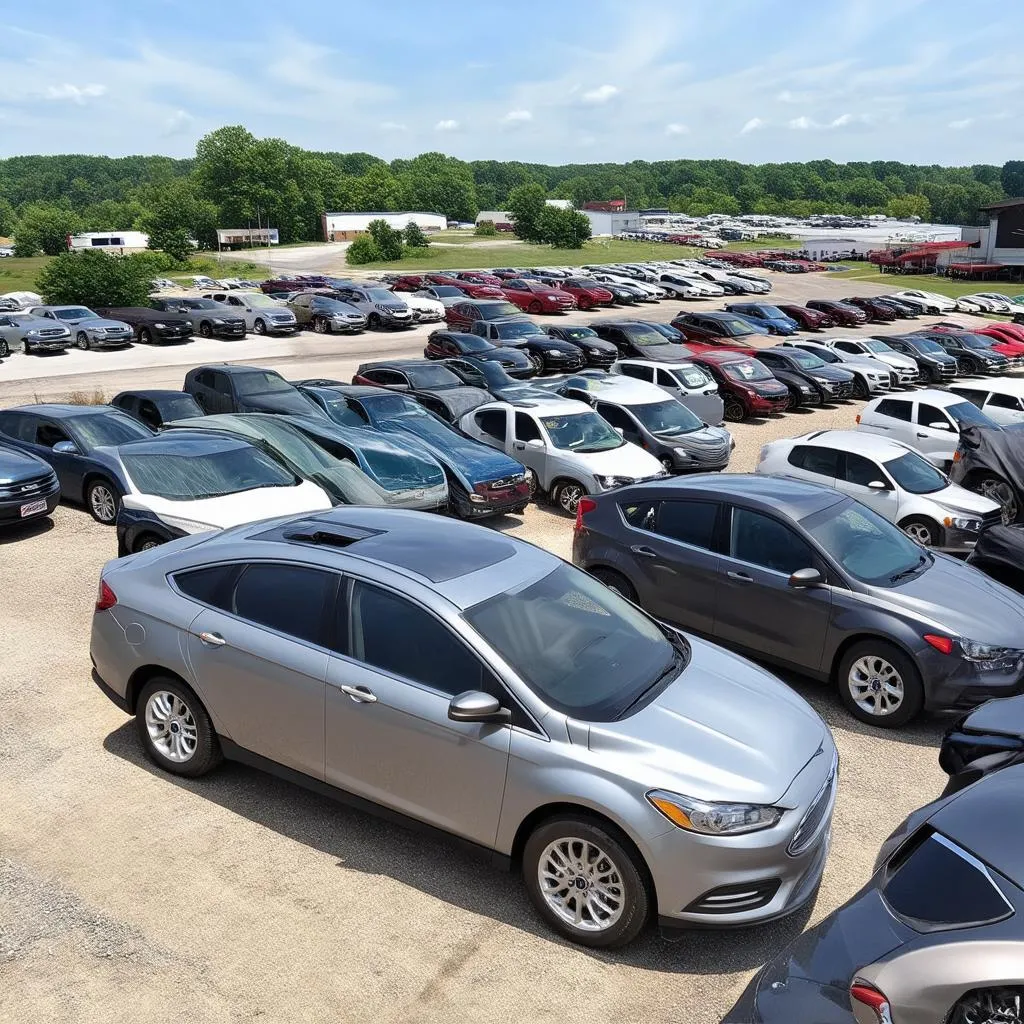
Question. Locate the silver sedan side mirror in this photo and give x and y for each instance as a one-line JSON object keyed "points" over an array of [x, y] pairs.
{"points": [[476, 706]]}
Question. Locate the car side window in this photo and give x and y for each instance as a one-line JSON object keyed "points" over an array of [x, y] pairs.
{"points": [[492, 423], [928, 414], [433, 404], [1004, 402], [973, 396], [665, 379], [220, 382], [691, 522], [638, 372], [815, 459], [49, 434], [290, 599], [204, 378], [208, 585], [616, 417], [848, 346], [526, 428], [18, 425], [149, 414], [427, 651], [895, 408], [861, 471], [761, 540], [642, 515]]}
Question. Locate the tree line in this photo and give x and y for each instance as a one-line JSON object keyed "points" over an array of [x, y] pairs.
{"points": [[237, 179]]}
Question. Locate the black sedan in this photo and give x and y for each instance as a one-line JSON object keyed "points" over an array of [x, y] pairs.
{"points": [[29, 488], [157, 407], [596, 351], [489, 375], [435, 387], [455, 344], [151, 325], [877, 312], [642, 341], [831, 381], [546, 353]]}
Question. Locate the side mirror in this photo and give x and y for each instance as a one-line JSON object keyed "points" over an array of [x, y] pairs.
{"points": [[535, 442], [938, 426], [476, 706], [804, 578], [878, 485], [66, 448]]}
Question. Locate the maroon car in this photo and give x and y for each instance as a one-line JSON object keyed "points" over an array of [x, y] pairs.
{"points": [[473, 289], [588, 294], [877, 312], [478, 277], [748, 388], [462, 315], [441, 277], [841, 312], [537, 297], [809, 319], [408, 283]]}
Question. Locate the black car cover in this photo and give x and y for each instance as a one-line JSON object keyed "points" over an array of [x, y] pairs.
{"points": [[991, 451], [999, 553]]}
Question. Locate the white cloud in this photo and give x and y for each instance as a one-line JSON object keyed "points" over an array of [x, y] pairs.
{"points": [[676, 129], [960, 125], [179, 121], [74, 93], [752, 125], [805, 123], [514, 116], [602, 94], [802, 123], [393, 126], [447, 125]]}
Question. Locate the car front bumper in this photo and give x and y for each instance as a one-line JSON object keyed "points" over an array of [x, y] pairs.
{"points": [[44, 500], [952, 683], [49, 344], [165, 334], [110, 340]]}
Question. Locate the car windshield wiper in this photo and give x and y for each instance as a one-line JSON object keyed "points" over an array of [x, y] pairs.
{"points": [[912, 571]]}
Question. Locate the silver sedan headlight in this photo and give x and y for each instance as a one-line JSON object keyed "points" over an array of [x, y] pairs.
{"points": [[607, 482], [713, 819]]}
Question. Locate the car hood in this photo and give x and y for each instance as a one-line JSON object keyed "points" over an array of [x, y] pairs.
{"points": [[667, 353], [830, 373], [16, 466], [95, 321], [897, 360], [958, 499], [472, 460], [463, 399], [626, 460], [235, 509], [960, 600], [280, 401], [693, 739]]}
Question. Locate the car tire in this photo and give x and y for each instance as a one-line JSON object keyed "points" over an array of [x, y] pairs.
{"points": [[5, 349], [102, 499], [922, 529], [581, 867], [566, 495], [535, 307], [26, 348], [733, 411], [82, 341], [321, 325], [373, 322], [176, 732], [146, 542], [861, 390], [536, 361], [617, 582], [531, 479], [865, 673], [260, 326], [206, 329]]}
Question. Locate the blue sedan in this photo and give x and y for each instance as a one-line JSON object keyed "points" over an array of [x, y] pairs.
{"points": [[769, 318], [73, 440]]}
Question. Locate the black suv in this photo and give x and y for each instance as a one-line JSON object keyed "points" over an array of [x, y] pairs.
{"points": [[935, 364]]}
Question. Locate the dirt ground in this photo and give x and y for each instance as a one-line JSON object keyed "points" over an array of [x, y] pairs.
{"points": [[128, 895]]}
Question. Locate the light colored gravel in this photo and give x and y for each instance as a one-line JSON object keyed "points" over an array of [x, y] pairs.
{"points": [[126, 895]]}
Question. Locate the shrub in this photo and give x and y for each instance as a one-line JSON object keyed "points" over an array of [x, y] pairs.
{"points": [[387, 239], [93, 278], [175, 242], [414, 237], [486, 229], [363, 250]]}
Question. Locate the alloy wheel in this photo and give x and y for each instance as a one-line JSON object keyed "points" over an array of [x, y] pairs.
{"points": [[171, 726], [320, 325], [921, 532], [82, 340], [103, 503], [569, 497], [876, 686], [260, 327], [581, 884]]}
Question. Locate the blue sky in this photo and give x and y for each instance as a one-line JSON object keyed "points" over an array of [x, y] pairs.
{"points": [[923, 81]]}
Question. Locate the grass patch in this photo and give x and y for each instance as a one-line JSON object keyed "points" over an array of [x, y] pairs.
{"points": [[459, 237], [600, 250], [19, 273]]}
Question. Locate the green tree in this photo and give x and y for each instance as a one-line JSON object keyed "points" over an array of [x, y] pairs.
{"points": [[1012, 178], [179, 205], [526, 203], [93, 278], [43, 227], [564, 229], [486, 229], [176, 242], [7, 218], [414, 237], [387, 239], [906, 206], [363, 250]]}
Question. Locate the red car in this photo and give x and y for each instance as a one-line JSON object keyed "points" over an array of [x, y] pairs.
{"points": [[409, 283], [748, 388], [462, 315], [441, 277], [537, 297], [1004, 332], [1006, 344], [841, 312], [715, 330], [588, 294], [478, 277], [474, 290], [810, 319]]}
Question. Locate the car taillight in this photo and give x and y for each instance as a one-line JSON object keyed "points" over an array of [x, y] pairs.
{"points": [[585, 505], [869, 996], [858, 417], [105, 597], [943, 644], [957, 456]]}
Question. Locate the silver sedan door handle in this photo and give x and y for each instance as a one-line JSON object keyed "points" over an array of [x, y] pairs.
{"points": [[643, 551], [740, 577], [212, 639], [360, 694]]}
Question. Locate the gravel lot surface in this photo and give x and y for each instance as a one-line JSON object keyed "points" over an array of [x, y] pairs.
{"points": [[127, 895]]}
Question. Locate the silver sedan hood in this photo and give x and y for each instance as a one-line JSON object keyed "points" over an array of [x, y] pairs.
{"points": [[725, 730]]}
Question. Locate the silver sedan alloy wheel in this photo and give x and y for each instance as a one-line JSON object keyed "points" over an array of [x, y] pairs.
{"points": [[876, 686], [171, 726], [581, 884], [103, 503], [569, 497]]}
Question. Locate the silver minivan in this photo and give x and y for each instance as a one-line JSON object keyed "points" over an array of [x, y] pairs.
{"points": [[568, 449]]}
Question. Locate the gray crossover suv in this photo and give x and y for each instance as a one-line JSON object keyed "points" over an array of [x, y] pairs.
{"points": [[804, 576], [480, 686]]}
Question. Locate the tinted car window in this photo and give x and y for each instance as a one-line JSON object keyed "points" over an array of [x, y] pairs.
{"points": [[862, 471], [940, 885], [964, 414], [978, 397], [928, 414], [895, 408], [641, 516], [639, 372], [1004, 402], [526, 428], [812, 459], [422, 648], [492, 422], [761, 540], [288, 598], [616, 416], [111, 429], [208, 585], [16, 424], [692, 522]]}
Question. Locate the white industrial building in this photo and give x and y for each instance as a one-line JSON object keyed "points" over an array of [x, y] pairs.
{"points": [[343, 227], [246, 238], [835, 248], [603, 222], [109, 241]]}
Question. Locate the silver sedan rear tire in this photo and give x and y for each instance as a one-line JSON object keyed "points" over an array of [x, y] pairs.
{"points": [[175, 729]]}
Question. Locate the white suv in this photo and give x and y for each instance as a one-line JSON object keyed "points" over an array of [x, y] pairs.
{"points": [[870, 376], [905, 367], [889, 477], [928, 421]]}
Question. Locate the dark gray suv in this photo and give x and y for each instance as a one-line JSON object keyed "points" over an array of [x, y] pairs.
{"points": [[806, 577]]}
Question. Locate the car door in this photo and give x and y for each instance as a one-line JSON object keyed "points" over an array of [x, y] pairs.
{"points": [[220, 394], [201, 388], [621, 421], [258, 655], [673, 551], [300, 307], [935, 435], [70, 467], [395, 669], [856, 475], [1004, 409], [534, 456], [757, 610]]}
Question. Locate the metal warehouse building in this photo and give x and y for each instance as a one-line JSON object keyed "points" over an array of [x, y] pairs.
{"points": [[343, 227], [603, 222]]}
